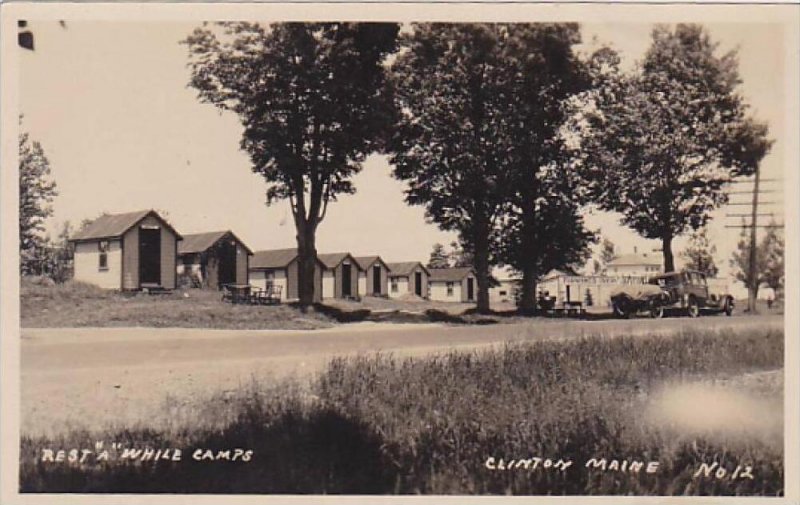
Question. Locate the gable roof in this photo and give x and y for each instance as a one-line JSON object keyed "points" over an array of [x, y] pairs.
{"points": [[332, 260], [116, 225], [636, 259], [455, 274], [365, 261], [404, 269], [274, 258], [199, 242]]}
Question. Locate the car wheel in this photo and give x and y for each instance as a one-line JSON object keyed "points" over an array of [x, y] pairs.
{"points": [[728, 307], [657, 311], [620, 310], [694, 308]]}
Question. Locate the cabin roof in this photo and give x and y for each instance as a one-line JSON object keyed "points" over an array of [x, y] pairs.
{"points": [[455, 274], [116, 225], [199, 242]]}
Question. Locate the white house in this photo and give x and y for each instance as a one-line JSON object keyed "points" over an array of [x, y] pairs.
{"points": [[635, 265]]}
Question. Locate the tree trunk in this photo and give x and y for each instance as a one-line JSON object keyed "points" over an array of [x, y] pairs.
{"points": [[527, 301], [666, 246], [481, 266], [307, 262]]}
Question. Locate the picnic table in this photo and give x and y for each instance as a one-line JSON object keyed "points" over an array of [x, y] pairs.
{"points": [[251, 295]]}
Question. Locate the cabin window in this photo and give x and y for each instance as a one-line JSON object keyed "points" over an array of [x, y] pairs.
{"points": [[449, 289], [102, 257], [394, 285]]}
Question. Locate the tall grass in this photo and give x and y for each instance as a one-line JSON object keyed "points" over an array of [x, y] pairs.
{"points": [[379, 424]]}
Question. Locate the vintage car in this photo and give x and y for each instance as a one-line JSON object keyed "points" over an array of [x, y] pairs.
{"points": [[677, 292]]}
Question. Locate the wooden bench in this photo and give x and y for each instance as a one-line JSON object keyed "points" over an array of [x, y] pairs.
{"points": [[269, 296]]}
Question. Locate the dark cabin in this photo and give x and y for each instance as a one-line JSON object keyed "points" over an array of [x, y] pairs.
{"points": [[213, 259]]}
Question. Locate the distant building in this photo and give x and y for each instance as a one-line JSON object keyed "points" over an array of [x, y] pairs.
{"points": [[280, 267], [408, 278], [589, 290], [339, 276], [508, 287], [215, 258], [635, 265], [373, 276], [131, 251], [452, 284]]}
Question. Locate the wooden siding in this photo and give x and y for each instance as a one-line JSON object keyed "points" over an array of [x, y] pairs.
{"points": [[241, 264], [87, 264], [130, 259]]}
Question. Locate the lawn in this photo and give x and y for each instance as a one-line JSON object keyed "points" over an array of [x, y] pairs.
{"points": [[441, 425], [76, 304]]}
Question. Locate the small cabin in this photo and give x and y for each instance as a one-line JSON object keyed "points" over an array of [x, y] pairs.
{"points": [[131, 251], [213, 259], [408, 278], [280, 268], [373, 276], [339, 276], [452, 284]]}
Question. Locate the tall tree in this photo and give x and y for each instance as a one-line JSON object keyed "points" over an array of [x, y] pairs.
{"points": [[449, 80], [660, 143], [313, 103], [439, 257], [36, 193], [773, 248], [544, 227], [699, 254]]}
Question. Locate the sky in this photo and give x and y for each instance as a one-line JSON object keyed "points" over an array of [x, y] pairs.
{"points": [[110, 104]]}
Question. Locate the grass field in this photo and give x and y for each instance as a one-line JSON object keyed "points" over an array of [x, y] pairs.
{"points": [[380, 424], [77, 304]]}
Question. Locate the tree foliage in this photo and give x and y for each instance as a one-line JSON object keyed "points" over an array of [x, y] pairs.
{"points": [[478, 140], [740, 262], [448, 143], [313, 103], [439, 257], [660, 144], [544, 228], [699, 254], [773, 251], [36, 193]]}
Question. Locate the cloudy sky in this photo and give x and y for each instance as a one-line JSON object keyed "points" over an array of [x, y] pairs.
{"points": [[110, 105]]}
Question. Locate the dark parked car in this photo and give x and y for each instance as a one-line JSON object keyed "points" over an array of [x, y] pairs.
{"points": [[685, 292]]}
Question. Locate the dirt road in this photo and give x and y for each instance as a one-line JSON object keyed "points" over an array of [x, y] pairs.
{"points": [[95, 376]]}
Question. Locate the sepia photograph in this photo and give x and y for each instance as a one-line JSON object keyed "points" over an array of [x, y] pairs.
{"points": [[472, 250]]}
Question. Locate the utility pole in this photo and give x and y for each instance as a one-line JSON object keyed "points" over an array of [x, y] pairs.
{"points": [[752, 290]]}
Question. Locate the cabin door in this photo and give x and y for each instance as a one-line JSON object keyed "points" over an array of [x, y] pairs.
{"points": [[418, 284], [150, 256], [376, 280], [470, 289], [226, 263], [347, 288]]}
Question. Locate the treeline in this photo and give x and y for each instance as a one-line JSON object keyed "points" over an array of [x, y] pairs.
{"points": [[503, 132]]}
